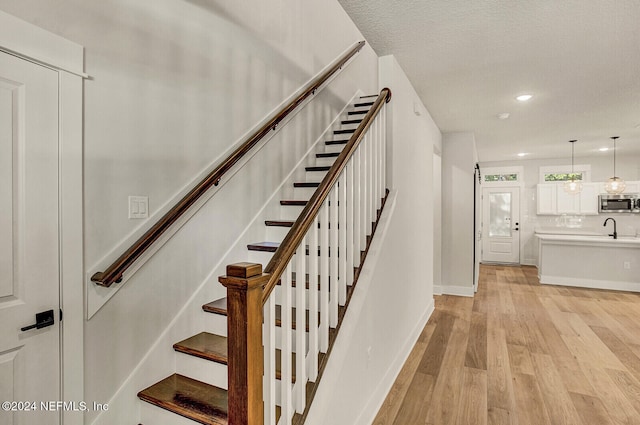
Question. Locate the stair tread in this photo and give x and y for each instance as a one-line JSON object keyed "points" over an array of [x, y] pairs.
{"points": [[216, 307], [279, 223], [291, 202], [199, 342], [351, 121], [206, 346], [327, 154], [264, 246], [359, 104], [306, 184], [347, 131], [368, 96], [357, 112], [318, 168], [187, 397]]}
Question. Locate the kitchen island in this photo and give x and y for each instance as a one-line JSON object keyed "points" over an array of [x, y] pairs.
{"points": [[589, 261]]}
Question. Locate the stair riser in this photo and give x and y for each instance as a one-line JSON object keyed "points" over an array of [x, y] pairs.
{"points": [[207, 371], [321, 162], [290, 212], [276, 233], [215, 324], [303, 192], [333, 148], [314, 176]]}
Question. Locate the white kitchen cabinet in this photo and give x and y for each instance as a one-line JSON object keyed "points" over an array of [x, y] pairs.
{"points": [[632, 187], [553, 200], [589, 198], [547, 204]]}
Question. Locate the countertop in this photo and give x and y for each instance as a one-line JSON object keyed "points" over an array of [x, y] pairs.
{"points": [[589, 239]]}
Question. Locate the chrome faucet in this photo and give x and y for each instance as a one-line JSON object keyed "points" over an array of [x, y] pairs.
{"points": [[615, 232]]}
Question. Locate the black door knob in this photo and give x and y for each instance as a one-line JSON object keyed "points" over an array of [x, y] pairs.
{"points": [[43, 320]]}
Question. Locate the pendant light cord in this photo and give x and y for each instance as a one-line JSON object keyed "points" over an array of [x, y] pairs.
{"points": [[614, 155]]}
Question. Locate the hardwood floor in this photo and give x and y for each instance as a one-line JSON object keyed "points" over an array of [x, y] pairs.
{"points": [[523, 353]]}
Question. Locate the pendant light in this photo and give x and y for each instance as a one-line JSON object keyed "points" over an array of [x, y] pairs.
{"points": [[614, 185], [572, 185]]}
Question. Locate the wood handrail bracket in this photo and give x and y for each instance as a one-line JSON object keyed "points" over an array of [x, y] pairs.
{"points": [[114, 272], [290, 243]]}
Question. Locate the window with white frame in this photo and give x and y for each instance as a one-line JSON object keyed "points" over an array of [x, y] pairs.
{"points": [[559, 173], [502, 176]]}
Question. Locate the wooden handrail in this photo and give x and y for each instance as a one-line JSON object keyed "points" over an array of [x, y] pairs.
{"points": [[114, 272], [290, 243]]}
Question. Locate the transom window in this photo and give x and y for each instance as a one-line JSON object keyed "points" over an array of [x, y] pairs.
{"points": [[501, 177], [561, 177], [561, 173]]}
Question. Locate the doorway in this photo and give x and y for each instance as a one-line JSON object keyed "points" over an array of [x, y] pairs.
{"points": [[501, 225], [29, 247]]}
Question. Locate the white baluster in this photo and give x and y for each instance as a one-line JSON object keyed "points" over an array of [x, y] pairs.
{"points": [[363, 194], [301, 325], [333, 256], [312, 237], [371, 186], [380, 160], [384, 150], [349, 222], [324, 277], [286, 331], [357, 214], [269, 379], [342, 238], [375, 145]]}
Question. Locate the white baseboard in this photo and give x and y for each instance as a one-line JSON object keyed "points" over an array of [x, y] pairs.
{"points": [[590, 283], [460, 291]]}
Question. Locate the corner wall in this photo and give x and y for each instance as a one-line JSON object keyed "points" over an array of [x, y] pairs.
{"points": [[458, 161], [396, 292]]}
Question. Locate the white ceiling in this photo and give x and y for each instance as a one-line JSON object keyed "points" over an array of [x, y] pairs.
{"points": [[469, 59]]}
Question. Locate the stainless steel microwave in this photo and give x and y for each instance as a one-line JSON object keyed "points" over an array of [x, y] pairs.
{"points": [[624, 203]]}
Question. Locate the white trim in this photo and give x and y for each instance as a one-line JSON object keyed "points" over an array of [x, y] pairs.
{"points": [[459, 291], [590, 283], [34, 44]]}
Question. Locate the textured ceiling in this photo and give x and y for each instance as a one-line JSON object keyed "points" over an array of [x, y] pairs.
{"points": [[469, 59]]}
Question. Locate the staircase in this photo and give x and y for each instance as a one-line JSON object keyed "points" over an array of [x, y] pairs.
{"points": [[202, 358]]}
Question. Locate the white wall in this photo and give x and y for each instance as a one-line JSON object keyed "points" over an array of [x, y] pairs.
{"points": [[437, 219], [458, 162], [399, 292], [627, 167], [174, 84]]}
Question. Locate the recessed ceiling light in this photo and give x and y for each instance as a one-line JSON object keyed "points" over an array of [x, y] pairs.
{"points": [[524, 97], [603, 149], [521, 154], [503, 116]]}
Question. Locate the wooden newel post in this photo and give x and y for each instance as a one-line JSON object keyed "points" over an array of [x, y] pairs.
{"points": [[244, 283]]}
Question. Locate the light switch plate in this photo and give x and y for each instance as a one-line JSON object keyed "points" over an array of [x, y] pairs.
{"points": [[138, 206]]}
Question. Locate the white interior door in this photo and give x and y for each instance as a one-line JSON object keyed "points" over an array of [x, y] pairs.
{"points": [[501, 224], [29, 252]]}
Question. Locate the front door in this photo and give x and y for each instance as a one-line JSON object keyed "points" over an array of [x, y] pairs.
{"points": [[29, 259], [501, 225]]}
